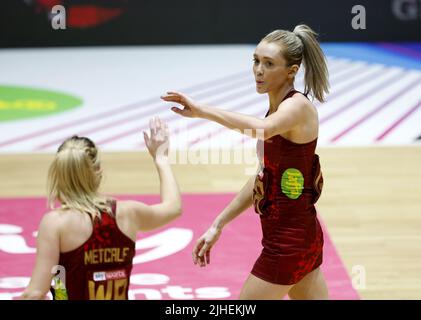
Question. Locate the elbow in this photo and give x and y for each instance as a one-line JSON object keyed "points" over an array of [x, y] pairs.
{"points": [[178, 209], [265, 132], [174, 209], [178, 206], [266, 136]]}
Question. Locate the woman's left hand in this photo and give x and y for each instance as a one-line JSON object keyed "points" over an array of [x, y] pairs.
{"points": [[191, 109]]}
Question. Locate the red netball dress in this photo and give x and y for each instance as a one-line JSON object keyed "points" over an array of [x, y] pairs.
{"points": [[288, 185], [100, 268]]}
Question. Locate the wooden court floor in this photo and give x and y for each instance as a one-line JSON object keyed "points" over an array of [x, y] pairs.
{"points": [[371, 203]]}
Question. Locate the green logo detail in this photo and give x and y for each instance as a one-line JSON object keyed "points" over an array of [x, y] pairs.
{"points": [[60, 292], [292, 183], [20, 102]]}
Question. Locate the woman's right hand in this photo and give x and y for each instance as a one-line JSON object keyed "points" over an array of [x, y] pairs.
{"points": [[191, 108], [201, 251], [158, 141]]}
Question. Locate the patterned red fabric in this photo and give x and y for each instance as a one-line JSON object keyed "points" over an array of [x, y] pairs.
{"points": [[100, 268], [287, 187]]}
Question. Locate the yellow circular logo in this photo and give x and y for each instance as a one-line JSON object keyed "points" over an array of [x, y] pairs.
{"points": [[292, 183]]}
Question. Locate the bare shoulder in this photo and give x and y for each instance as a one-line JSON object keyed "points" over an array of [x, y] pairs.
{"points": [[130, 216], [302, 105], [128, 207], [53, 216], [62, 217], [301, 100], [51, 221], [297, 105]]}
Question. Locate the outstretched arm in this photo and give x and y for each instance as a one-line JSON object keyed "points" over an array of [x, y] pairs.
{"points": [[148, 217], [284, 119]]}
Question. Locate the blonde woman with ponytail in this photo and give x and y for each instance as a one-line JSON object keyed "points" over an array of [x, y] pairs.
{"points": [[289, 179], [92, 237]]}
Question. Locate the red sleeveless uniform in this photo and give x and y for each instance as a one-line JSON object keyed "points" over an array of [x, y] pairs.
{"points": [[100, 268], [288, 185]]}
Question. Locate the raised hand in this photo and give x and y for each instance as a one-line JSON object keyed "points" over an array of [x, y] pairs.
{"points": [[158, 142], [191, 109], [201, 251]]}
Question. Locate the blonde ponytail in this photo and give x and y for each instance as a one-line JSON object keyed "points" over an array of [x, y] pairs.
{"points": [[316, 73], [299, 46], [74, 177]]}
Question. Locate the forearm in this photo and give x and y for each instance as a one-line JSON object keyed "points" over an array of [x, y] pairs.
{"points": [[34, 290], [170, 194], [32, 295], [241, 202], [249, 125]]}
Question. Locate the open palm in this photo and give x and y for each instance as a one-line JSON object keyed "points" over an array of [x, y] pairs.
{"points": [[191, 110]]}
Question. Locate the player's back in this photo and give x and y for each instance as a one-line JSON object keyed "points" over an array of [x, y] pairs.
{"points": [[97, 256]]}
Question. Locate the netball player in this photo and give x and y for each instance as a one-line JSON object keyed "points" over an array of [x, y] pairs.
{"points": [[91, 236], [289, 180]]}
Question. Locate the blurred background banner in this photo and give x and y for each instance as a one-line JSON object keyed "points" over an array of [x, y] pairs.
{"points": [[149, 22]]}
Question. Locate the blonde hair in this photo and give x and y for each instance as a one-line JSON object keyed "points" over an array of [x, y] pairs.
{"points": [[74, 177], [302, 45]]}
